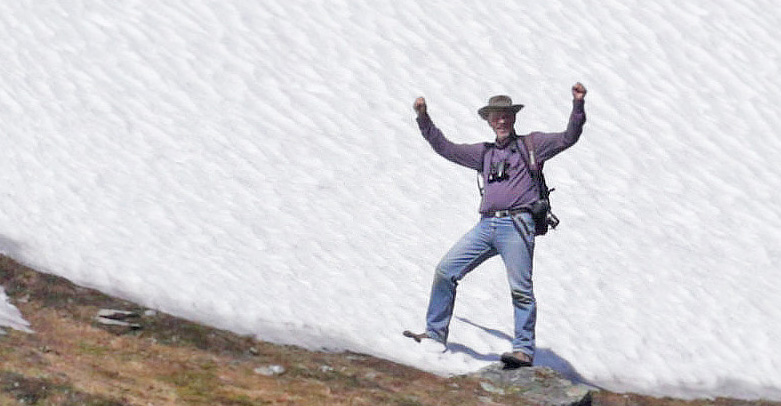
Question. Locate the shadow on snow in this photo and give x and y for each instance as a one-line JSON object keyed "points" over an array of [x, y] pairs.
{"points": [[543, 356]]}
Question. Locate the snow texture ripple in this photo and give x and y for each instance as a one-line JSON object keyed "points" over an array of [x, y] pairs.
{"points": [[257, 167]]}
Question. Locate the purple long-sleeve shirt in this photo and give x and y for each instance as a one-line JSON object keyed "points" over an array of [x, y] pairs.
{"points": [[518, 190]]}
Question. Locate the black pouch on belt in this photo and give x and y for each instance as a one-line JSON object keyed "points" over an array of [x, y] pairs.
{"points": [[543, 217]]}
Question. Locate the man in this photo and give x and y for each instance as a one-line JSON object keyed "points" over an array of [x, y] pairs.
{"points": [[506, 226]]}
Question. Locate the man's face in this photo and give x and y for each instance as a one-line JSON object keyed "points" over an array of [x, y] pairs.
{"points": [[502, 123]]}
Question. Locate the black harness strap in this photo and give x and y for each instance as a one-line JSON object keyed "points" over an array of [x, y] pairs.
{"points": [[480, 184], [534, 169]]}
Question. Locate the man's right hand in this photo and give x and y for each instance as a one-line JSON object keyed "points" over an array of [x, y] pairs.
{"points": [[420, 106]]}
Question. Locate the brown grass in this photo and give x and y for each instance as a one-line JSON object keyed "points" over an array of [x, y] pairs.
{"points": [[72, 360]]}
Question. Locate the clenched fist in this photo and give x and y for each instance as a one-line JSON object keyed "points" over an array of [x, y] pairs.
{"points": [[578, 91], [420, 106]]}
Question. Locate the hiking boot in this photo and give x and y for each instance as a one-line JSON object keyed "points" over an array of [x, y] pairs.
{"points": [[416, 337], [516, 359]]}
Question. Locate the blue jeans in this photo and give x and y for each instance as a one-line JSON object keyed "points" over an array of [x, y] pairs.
{"points": [[513, 239]]}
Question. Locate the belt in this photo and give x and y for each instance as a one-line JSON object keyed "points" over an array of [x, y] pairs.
{"points": [[505, 213]]}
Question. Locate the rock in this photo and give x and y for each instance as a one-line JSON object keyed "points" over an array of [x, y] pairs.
{"points": [[119, 323], [541, 385], [491, 388], [117, 314], [270, 370], [118, 318], [326, 368]]}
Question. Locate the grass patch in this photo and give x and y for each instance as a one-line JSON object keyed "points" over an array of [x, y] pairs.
{"points": [[88, 348], [194, 387], [37, 391]]}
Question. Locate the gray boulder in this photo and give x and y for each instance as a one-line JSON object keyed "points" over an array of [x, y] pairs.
{"points": [[541, 385]]}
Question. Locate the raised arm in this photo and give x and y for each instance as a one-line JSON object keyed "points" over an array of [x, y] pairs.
{"points": [[469, 155], [547, 145]]}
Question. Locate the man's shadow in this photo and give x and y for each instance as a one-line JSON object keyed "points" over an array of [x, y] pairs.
{"points": [[542, 357]]}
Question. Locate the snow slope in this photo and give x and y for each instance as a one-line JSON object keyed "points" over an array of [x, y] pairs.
{"points": [[257, 167]]}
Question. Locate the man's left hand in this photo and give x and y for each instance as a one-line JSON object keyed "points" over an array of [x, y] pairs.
{"points": [[578, 91]]}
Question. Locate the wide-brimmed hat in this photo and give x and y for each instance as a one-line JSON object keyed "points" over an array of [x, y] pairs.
{"points": [[499, 103]]}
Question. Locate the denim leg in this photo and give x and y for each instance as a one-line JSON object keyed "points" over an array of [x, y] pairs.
{"points": [[469, 252], [516, 248]]}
